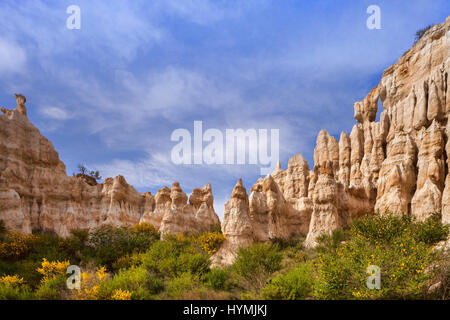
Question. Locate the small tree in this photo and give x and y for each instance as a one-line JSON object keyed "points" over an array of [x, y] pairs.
{"points": [[82, 169], [95, 174], [421, 32]]}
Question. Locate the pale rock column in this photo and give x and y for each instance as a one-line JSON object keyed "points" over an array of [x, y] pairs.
{"points": [[431, 173], [236, 226], [325, 217], [397, 176]]}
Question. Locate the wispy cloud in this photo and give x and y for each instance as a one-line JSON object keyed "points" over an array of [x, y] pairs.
{"points": [[110, 30], [138, 70], [56, 113], [12, 57]]}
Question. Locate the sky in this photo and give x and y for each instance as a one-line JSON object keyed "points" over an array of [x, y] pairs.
{"points": [[110, 94]]}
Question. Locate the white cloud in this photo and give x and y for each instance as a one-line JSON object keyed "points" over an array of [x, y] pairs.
{"points": [[299, 82], [151, 172], [55, 113], [12, 57], [175, 93], [156, 170], [110, 31]]}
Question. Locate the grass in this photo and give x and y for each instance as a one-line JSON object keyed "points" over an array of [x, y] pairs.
{"points": [[132, 263]]}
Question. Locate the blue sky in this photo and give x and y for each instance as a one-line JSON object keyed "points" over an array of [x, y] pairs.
{"points": [[110, 94]]}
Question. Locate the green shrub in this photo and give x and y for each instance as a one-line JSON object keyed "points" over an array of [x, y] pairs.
{"points": [[108, 244], [430, 231], [195, 263], [179, 286], [25, 268], [52, 247], [386, 228], [380, 228], [330, 242], [52, 289], [217, 279], [288, 243], [295, 284], [396, 244], [14, 288], [128, 261], [137, 280], [146, 230], [217, 228], [8, 292], [172, 257], [162, 258], [15, 246], [256, 263], [440, 277]]}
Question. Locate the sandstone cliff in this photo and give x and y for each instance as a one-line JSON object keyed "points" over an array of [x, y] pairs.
{"points": [[37, 194], [399, 164]]}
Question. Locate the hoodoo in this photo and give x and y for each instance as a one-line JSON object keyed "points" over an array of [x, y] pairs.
{"points": [[399, 164], [37, 194]]}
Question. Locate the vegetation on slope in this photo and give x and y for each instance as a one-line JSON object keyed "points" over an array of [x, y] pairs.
{"points": [[132, 263], [420, 33]]}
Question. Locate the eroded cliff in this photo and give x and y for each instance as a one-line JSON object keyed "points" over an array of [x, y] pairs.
{"points": [[398, 164], [37, 194]]}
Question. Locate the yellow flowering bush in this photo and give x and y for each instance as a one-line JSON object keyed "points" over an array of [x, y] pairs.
{"points": [[101, 273], [145, 228], [120, 294], [90, 284], [51, 269], [127, 261], [132, 264], [14, 288], [210, 242], [15, 246], [13, 281], [387, 242]]}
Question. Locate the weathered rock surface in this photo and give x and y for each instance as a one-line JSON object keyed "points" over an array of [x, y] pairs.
{"points": [[171, 214], [37, 194], [399, 164], [236, 226]]}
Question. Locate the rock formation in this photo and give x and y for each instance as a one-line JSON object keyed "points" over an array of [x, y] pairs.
{"points": [[20, 101], [37, 194], [236, 226], [399, 164], [171, 214]]}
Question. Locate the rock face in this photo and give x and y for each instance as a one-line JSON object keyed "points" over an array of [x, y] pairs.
{"points": [[171, 214], [236, 226], [399, 164], [37, 194]]}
